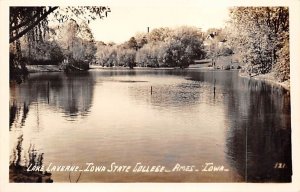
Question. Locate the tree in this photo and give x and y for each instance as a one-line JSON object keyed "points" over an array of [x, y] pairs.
{"points": [[132, 44], [47, 51], [172, 47], [141, 39], [183, 45], [56, 54], [30, 25], [216, 43], [77, 42], [191, 40], [147, 56], [159, 34], [24, 19], [126, 57], [258, 34], [282, 67], [107, 55]]}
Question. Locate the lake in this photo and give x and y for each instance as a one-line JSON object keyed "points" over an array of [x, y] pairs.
{"points": [[191, 118]]}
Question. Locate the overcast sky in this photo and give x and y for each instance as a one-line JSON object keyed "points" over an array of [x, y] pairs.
{"points": [[126, 20]]}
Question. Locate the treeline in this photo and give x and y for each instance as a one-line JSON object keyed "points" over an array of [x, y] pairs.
{"points": [[260, 35], [162, 47], [73, 43]]}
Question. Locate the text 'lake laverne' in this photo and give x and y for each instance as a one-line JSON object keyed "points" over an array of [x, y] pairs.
{"points": [[137, 168]]}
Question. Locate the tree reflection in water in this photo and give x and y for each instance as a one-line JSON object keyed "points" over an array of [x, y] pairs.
{"points": [[71, 93], [257, 127], [260, 132], [19, 164]]}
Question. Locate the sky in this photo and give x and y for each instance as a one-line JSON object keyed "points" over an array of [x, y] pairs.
{"points": [[124, 21]]}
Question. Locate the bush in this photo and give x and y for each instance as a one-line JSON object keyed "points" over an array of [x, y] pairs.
{"points": [[226, 51]]}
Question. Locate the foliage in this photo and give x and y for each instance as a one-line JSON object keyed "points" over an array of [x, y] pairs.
{"points": [[28, 31], [76, 43], [282, 67], [162, 47], [56, 54], [172, 48], [126, 58], [218, 34], [159, 34], [34, 19], [216, 43], [185, 44], [141, 39], [259, 34], [132, 43], [107, 56], [46, 52], [147, 56], [30, 21], [226, 51]]}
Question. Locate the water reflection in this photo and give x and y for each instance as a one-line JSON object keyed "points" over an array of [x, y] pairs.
{"points": [[18, 114], [259, 135], [72, 94], [259, 132], [21, 161], [192, 116]]}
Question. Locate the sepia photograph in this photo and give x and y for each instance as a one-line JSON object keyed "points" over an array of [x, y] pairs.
{"points": [[149, 93]]}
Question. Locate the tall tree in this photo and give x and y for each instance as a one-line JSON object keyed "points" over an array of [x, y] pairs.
{"points": [[259, 34], [77, 42]]}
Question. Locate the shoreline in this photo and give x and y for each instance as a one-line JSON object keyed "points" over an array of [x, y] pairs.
{"points": [[56, 68], [268, 78]]}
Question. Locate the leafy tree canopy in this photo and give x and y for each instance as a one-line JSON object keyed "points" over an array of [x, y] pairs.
{"points": [[261, 36], [34, 19]]}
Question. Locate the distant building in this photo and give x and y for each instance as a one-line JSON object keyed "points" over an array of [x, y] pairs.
{"points": [[211, 36], [213, 39]]}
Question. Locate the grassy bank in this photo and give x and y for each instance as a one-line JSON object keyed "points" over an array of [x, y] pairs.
{"points": [[269, 78], [231, 62], [223, 63]]}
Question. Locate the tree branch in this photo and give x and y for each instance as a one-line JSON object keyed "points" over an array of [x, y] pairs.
{"points": [[19, 35], [24, 23]]}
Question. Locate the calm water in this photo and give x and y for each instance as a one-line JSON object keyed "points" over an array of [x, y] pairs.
{"points": [[192, 117]]}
